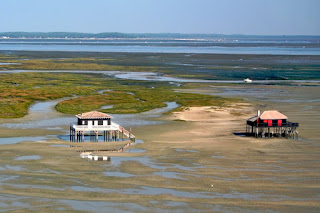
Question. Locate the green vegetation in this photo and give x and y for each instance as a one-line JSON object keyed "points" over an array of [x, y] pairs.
{"points": [[19, 90], [71, 64], [144, 99], [14, 107]]}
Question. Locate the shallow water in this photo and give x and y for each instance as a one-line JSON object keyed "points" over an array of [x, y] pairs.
{"points": [[186, 150], [1, 63], [145, 160], [143, 48], [159, 111], [42, 115], [59, 145], [173, 175], [11, 167], [29, 157], [135, 150], [150, 76], [218, 156], [107, 107], [118, 174], [14, 140]]}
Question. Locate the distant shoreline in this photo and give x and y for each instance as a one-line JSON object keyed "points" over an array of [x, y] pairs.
{"points": [[117, 35]]}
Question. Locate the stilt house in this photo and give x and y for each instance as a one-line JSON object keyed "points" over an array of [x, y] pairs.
{"points": [[271, 124], [94, 118], [95, 125]]}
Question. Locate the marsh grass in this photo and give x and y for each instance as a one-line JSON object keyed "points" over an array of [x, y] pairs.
{"points": [[145, 99], [72, 64], [19, 90]]}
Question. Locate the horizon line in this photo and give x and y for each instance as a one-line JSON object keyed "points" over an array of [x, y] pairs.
{"points": [[181, 33]]}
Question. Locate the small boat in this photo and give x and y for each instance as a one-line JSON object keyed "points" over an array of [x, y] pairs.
{"points": [[247, 80]]}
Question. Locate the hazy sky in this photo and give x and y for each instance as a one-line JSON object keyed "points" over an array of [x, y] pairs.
{"points": [[259, 17]]}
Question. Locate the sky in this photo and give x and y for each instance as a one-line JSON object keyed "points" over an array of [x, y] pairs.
{"points": [[251, 17]]}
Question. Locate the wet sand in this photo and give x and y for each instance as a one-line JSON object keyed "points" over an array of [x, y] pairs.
{"points": [[192, 162], [261, 174], [186, 161]]}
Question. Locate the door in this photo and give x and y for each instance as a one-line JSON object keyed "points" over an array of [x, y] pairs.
{"points": [[89, 124]]}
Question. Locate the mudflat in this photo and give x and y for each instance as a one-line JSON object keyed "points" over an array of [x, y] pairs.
{"points": [[192, 162], [186, 161]]}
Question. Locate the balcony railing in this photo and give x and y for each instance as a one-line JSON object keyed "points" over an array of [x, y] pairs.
{"points": [[113, 126], [288, 124]]}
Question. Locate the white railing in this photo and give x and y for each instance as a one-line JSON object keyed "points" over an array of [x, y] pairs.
{"points": [[113, 126]]}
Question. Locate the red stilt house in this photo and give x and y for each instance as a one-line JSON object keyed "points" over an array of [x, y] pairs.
{"points": [[271, 124]]}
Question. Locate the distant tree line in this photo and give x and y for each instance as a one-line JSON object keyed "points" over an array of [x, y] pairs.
{"points": [[102, 35], [146, 35]]}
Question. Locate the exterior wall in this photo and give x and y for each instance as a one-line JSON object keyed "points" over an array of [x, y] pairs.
{"points": [[100, 121], [279, 122], [266, 123]]}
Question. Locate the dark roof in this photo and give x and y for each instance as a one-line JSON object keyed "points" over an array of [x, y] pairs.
{"points": [[93, 115], [253, 119]]}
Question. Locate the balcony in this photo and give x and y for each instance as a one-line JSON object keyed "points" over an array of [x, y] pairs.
{"points": [[288, 124], [113, 126]]}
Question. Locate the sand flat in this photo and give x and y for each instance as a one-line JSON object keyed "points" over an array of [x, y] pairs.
{"points": [[192, 162]]}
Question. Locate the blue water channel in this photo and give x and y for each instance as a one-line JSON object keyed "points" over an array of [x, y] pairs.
{"points": [[142, 47]]}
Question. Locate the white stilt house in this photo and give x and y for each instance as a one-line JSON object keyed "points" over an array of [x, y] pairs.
{"points": [[97, 125]]}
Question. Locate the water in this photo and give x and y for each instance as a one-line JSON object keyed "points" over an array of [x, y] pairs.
{"points": [[150, 76], [135, 150], [118, 174], [42, 115], [14, 140], [9, 63], [29, 157], [184, 150], [59, 145], [164, 47], [107, 107], [117, 161], [87, 138], [173, 175]]}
